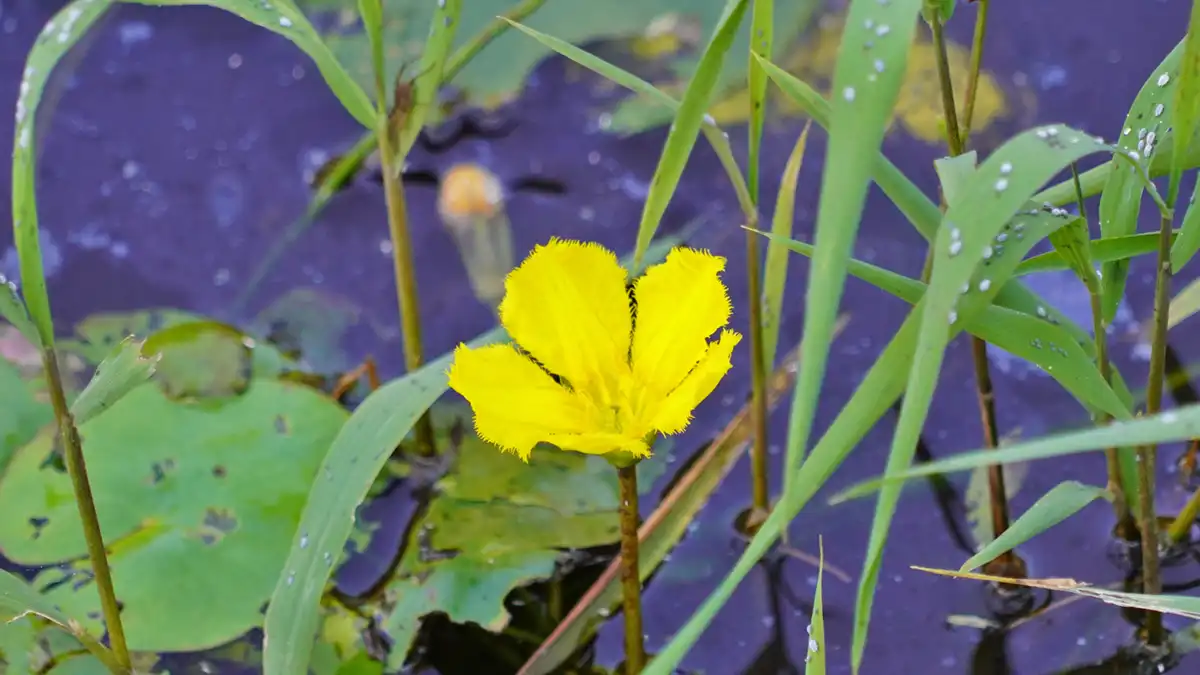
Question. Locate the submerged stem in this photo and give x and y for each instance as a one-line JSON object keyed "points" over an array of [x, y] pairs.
{"points": [[631, 584], [77, 469], [1148, 454], [406, 279]]}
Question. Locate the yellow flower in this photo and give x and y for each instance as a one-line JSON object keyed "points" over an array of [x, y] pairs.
{"points": [[568, 309]]}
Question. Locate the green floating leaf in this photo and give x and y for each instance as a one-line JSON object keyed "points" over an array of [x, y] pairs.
{"points": [[685, 128], [775, 270], [1061, 502], [1029, 336], [115, 377], [351, 464], [202, 359], [497, 523], [814, 659], [282, 17], [20, 414], [57, 38], [12, 310], [212, 493], [18, 599], [1150, 116]]}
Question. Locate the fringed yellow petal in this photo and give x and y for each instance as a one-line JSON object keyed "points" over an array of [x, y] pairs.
{"points": [[680, 303], [566, 305], [601, 443], [516, 404], [675, 412]]}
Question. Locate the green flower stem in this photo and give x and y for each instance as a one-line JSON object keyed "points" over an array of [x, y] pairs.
{"points": [[758, 375], [1182, 524], [631, 585], [976, 62], [77, 469]]}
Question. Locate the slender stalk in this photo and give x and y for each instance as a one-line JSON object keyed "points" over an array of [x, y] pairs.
{"points": [[406, 279], [981, 18], [1148, 454], [77, 469], [631, 584], [1116, 486], [758, 370], [997, 494], [463, 55]]}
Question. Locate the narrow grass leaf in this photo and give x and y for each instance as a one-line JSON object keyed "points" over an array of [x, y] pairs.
{"points": [[1187, 240], [1061, 502], [12, 310], [52, 44], [284, 18], [443, 25], [377, 427], [1167, 427], [1186, 103], [1185, 304], [924, 215], [814, 659], [18, 599], [983, 236], [953, 173], [371, 12], [1030, 337], [866, 82], [1179, 605], [117, 375], [686, 127], [1102, 251], [879, 389], [775, 271], [761, 37], [1149, 117]]}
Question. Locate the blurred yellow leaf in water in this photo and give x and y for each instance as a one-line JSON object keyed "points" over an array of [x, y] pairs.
{"points": [[919, 107]]}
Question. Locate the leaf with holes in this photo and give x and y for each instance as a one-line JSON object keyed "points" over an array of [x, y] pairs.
{"points": [[1061, 502], [1146, 127], [212, 492]]}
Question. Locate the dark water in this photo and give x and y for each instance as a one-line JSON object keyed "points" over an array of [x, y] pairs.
{"points": [[177, 156]]}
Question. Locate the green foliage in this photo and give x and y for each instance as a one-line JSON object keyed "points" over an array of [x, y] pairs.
{"points": [[210, 491], [775, 270], [814, 660], [115, 377], [20, 414]]}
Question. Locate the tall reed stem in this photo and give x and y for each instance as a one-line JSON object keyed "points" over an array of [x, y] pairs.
{"points": [[758, 370], [77, 470], [631, 584], [956, 144]]}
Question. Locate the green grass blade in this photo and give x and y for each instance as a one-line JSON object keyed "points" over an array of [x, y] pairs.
{"points": [[12, 310], [814, 660], [371, 12], [761, 38], [1061, 502], [442, 28], [1185, 304], [55, 40], [1187, 241], [970, 259], [1027, 336], [953, 173], [116, 376], [880, 388], [686, 127], [1102, 251], [1121, 199], [284, 18], [361, 448], [1180, 424], [1186, 103], [18, 599], [775, 271], [866, 82]]}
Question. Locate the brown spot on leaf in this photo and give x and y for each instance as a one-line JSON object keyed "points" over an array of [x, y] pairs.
{"points": [[281, 425], [218, 471], [217, 523]]}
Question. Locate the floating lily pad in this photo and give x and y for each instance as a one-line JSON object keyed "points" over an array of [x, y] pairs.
{"points": [[20, 414], [310, 324], [202, 359], [498, 523], [197, 503]]}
